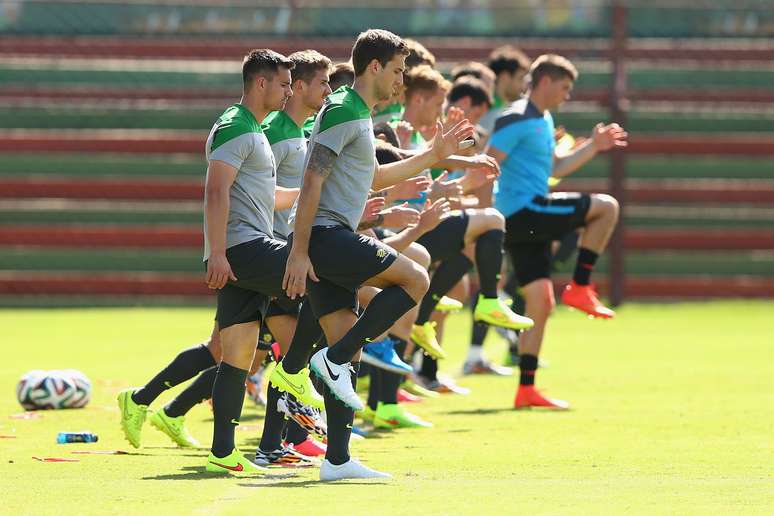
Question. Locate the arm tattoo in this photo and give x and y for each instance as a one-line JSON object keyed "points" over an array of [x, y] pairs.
{"points": [[321, 160], [378, 221]]}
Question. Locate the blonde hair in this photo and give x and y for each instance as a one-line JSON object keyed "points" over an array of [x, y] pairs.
{"points": [[424, 79]]}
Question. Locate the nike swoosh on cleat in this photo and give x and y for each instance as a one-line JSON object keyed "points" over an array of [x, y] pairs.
{"points": [[298, 388], [330, 373], [238, 467]]}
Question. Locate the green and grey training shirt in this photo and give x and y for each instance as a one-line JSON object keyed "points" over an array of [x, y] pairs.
{"points": [[237, 139], [289, 147], [344, 126]]}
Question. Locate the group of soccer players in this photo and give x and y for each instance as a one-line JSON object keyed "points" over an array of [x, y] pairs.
{"points": [[345, 223]]}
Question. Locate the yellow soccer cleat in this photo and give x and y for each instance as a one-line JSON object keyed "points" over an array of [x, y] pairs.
{"points": [[298, 385], [233, 463], [132, 417], [424, 337], [174, 428], [494, 311], [448, 304]]}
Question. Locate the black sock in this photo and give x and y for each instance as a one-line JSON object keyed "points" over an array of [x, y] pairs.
{"points": [[374, 387], [273, 423], [391, 381], [307, 334], [295, 434], [382, 312], [586, 260], [228, 393], [199, 390], [527, 365], [478, 330], [340, 418], [489, 260], [429, 369], [185, 366], [448, 274]]}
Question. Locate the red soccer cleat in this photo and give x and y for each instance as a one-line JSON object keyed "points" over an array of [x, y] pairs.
{"points": [[405, 396], [527, 396], [310, 448], [584, 298]]}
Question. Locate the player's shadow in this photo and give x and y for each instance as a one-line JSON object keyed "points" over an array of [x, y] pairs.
{"points": [[198, 472], [479, 411], [313, 483]]}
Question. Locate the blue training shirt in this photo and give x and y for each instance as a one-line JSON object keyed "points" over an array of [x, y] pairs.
{"points": [[526, 137]]}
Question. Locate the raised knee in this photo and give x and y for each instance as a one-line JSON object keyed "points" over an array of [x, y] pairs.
{"points": [[609, 205], [417, 282], [419, 254], [494, 219]]}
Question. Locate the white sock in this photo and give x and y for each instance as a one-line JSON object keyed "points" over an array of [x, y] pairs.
{"points": [[475, 353]]}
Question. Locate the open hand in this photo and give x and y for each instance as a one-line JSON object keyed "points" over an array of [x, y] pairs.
{"points": [[447, 143], [605, 137]]}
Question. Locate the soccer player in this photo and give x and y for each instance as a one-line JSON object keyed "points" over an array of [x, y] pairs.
{"points": [[471, 96], [244, 262], [510, 67], [340, 171], [523, 143], [462, 238]]}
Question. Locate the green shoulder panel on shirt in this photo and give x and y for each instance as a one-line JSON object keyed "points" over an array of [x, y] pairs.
{"points": [[342, 106], [309, 125], [278, 126], [233, 123]]}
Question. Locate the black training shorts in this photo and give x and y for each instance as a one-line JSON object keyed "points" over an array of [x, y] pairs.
{"points": [[259, 266], [448, 238], [530, 231], [283, 305], [343, 260]]}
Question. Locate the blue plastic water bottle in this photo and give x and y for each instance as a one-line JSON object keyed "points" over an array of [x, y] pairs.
{"points": [[76, 437]]}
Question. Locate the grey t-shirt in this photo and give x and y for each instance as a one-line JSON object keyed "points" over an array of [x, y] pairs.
{"points": [[289, 147], [344, 126], [237, 139]]}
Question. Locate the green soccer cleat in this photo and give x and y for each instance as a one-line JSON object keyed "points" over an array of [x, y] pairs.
{"points": [[494, 311], [417, 390], [174, 428], [392, 415], [424, 336], [233, 463], [298, 385], [448, 304], [132, 417], [367, 414]]}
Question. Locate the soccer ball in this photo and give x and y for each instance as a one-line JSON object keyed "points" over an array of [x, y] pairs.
{"points": [[53, 389]]}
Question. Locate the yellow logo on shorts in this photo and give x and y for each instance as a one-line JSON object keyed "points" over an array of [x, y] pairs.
{"points": [[381, 253]]}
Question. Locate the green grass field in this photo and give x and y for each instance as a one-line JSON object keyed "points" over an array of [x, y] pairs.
{"points": [[672, 414]]}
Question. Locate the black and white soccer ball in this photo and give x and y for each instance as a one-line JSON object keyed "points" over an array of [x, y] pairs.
{"points": [[42, 390]]}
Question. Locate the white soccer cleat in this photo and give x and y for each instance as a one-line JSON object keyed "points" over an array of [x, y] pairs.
{"points": [[350, 469], [337, 378]]}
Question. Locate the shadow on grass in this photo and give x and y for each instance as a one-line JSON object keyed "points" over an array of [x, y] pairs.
{"points": [[313, 483], [198, 473], [479, 411]]}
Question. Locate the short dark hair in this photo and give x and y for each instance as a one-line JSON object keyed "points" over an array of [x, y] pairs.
{"points": [[386, 153], [376, 44], [473, 69], [418, 54], [307, 64], [467, 86], [263, 61], [343, 74], [553, 66], [508, 59], [389, 135]]}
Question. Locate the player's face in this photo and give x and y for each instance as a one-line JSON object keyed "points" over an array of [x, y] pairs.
{"points": [[558, 90], [389, 79], [474, 113], [516, 85], [433, 107], [278, 90], [318, 89]]}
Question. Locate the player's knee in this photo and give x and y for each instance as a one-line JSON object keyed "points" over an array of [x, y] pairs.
{"points": [[417, 282], [609, 206], [495, 219], [418, 254]]}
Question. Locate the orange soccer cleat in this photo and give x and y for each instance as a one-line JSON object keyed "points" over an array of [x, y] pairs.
{"points": [[584, 298], [528, 396]]}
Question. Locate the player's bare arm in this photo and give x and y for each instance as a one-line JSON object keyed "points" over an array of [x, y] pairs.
{"points": [[220, 177], [284, 197], [603, 138], [443, 146], [299, 266]]}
